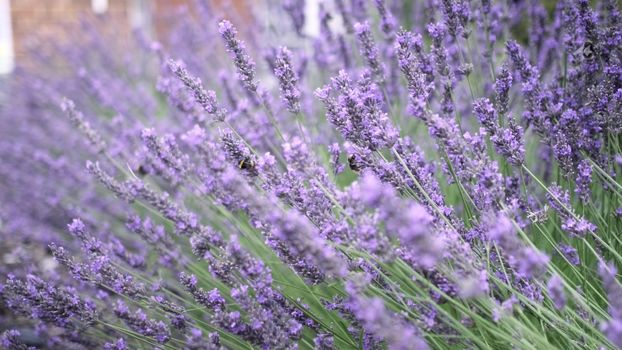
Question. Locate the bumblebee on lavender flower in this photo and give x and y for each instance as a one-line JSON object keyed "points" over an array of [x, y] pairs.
{"points": [[141, 171], [239, 154], [353, 163], [248, 164], [588, 50]]}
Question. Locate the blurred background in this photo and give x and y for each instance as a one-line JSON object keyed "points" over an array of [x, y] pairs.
{"points": [[24, 24]]}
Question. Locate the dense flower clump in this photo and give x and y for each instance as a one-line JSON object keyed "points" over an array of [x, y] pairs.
{"points": [[439, 174]]}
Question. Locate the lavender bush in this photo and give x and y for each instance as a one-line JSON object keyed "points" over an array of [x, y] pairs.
{"points": [[420, 175]]}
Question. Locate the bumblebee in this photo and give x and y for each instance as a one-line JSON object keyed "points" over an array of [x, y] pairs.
{"points": [[353, 163], [141, 171], [538, 216], [588, 50], [248, 164]]}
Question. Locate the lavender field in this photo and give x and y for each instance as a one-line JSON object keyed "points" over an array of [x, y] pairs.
{"points": [[371, 174]]}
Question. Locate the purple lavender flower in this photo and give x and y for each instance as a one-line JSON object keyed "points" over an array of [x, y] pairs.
{"points": [[166, 150], [10, 340], [409, 222], [528, 262], [580, 227], [387, 21], [559, 199], [241, 60], [78, 229], [300, 235], [502, 87], [555, 289], [369, 51], [612, 327], [438, 32], [537, 105], [195, 340], [359, 9], [211, 299], [295, 10], [185, 222], [357, 111], [508, 141], [379, 321], [157, 237], [325, 41], [346, 15], [268, 247], [118, 344], [46, 302], [475, 286], [570, 253], [324, 342], [99, 269], [571, 222], [344, 52], [424, 172], [140, 323], [119, 189], [456, 15], [418, 87], [288, 79], [77, 119], [335, 152], [239, 154], [504, 309], [207, 99], [584, 179], [485, 112]]}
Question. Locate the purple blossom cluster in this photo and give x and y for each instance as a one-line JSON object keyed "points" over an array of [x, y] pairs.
{"points": [[415, 175]]}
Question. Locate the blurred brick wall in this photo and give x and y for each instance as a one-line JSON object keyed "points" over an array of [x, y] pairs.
{"points": [[163, 15], [164, 12], [50, 19]]}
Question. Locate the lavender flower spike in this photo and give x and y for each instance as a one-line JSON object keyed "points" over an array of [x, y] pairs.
{"points": [[418, 87], [410, 222], [387, 21], [47, 302], [369, 50], [167, 151], [556, 292], [358, 111], [139, 323], [288, 80], [584, 179], [381, 322], [237, 50], [207, 99], [612, 327], [527, 261], [119, 189], [559, 199], [10, 340], [77, 119], [296, 11], [508, 141], [118, 344], [502, 89]]}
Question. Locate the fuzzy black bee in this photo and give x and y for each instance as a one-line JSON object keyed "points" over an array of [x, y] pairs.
{"points": [[141, 171], [588, 50], [248, 164], [353, 163]]}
